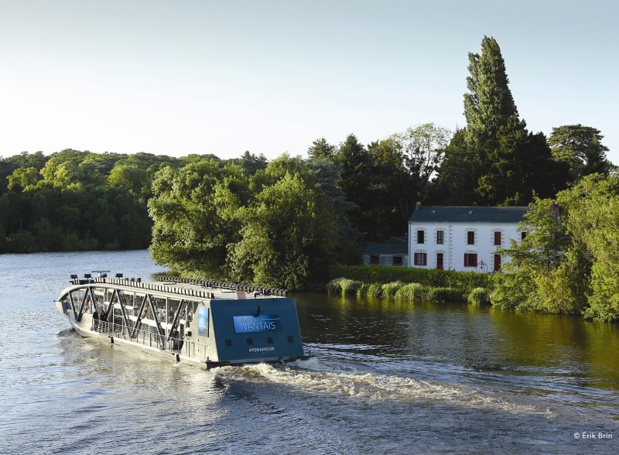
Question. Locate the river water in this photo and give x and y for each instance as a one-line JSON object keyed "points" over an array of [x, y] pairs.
{"points": [[386, 377]]}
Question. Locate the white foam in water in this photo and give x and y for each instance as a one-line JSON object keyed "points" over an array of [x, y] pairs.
{"points": [[317, 377]]}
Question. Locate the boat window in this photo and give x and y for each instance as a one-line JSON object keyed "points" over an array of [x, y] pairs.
{"points": [[228, 343], [270, 340], [290, 339], [250, 341]]}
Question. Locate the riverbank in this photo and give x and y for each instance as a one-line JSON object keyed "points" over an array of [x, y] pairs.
{"points": [[412, 292], [411, 284]]}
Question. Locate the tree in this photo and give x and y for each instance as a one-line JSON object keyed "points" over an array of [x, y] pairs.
{"points": [[580, 147], [194, 213], [282, 227], [287, 237], [23, 179], [494, 132], [321, 149], [421, 148], [23, 160], [127, 176], [356, 165], [567, 262], [493, 154], [456, 178], [250, 163], [489, 105], [594, 225], [545, 273]]}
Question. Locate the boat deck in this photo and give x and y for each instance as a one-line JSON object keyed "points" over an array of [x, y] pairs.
{"points": [[188, 287]]}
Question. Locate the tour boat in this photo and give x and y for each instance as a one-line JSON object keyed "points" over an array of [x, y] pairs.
{"points": [[196, 321]]}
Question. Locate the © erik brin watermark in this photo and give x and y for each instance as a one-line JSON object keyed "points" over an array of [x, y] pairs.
{"points": [[592, 435]]}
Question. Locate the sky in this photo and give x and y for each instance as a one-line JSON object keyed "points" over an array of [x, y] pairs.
{"points": [[271, 76]]}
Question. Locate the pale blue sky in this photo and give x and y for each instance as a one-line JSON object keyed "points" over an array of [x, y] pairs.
{"points": [[271, 76]]}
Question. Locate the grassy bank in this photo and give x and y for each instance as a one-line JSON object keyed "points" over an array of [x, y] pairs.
{"points": [[411, 284]]}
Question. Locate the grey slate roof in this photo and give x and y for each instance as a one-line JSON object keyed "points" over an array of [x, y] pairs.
{"points": [[438, 214], [395, 245]]}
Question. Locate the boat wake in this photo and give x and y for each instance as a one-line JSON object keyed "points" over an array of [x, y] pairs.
{"points": [[67, 333], [318, 378]]}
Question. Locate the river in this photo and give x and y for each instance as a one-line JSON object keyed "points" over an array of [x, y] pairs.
{"points": [[386, 378]]}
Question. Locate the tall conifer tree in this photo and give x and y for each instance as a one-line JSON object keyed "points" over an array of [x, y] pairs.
{"points": [[489, 105], [505, 165]]}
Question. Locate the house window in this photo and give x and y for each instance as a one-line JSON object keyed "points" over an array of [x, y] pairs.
{"points": [[420, 237], [440, 237], [497, 238], [470, 260], [397, 260], [523, 235], [374, 259], [497, 262], [470, 237], [421, 259], [439, 261]]}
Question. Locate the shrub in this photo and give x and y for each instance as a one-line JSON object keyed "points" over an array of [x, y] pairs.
{"points": [[479, 297], [390, 289], [375, 290], [410, 292], [344, 286], [333, 286], [362, 290]]}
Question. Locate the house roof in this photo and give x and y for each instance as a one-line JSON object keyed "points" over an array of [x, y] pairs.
{"points": [[389, 247], [473, 214]]}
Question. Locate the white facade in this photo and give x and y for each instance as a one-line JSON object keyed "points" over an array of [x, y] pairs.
{"points": [[462, 238]]}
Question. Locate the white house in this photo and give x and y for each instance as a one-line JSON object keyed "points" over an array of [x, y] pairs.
{"points": [[462, 238]]}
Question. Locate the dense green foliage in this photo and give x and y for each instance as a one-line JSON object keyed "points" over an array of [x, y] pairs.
{"points": [[580, 148], [479, 297], [466, 281], [280, 227], [384, 180], [75, 200], [568, 263]]}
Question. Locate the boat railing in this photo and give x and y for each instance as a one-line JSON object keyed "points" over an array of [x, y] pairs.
{"points": [[178, 285], [223, 285], [144, 337]]}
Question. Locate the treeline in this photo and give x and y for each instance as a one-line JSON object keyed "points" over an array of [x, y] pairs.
{"points": [[75, 200], [79, 200], [283, 223]]}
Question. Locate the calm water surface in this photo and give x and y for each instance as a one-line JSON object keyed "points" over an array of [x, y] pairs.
{"points": [[386, 378]]}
